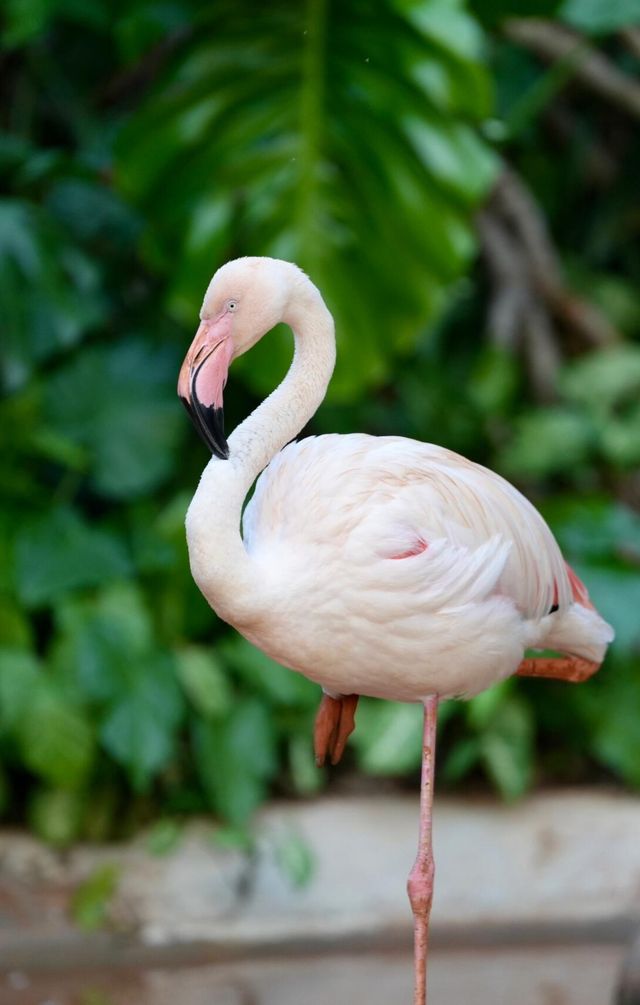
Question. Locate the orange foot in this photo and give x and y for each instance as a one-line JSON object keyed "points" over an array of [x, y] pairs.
{"points": [[335, 722], [569, 668]]}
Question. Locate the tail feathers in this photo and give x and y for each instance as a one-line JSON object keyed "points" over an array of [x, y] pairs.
{"points": [[581, 632], [578, 589]]}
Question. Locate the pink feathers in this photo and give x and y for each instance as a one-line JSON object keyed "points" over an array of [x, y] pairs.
{"points": [[416, 549]]}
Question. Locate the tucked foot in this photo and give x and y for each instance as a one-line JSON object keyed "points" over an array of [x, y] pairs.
{"points": [[570, 668], [335, 722]]}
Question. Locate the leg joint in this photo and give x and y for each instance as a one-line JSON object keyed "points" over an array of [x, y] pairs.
{"points": [[420, 885]]}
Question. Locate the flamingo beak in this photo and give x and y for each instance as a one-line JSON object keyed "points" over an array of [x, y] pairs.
{"points": [[203, 376]]}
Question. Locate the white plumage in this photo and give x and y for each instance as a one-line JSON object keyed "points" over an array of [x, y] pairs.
{"points": [[318, 582], [329, 517], [378, 566]]}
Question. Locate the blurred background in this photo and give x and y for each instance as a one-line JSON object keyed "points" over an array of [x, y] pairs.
{"points": [[461, 181]]}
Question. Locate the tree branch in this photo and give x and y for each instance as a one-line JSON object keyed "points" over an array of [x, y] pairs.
{"points": [[553, 41], [631, 37], [517, 205], [528, 288], [517, 316]]}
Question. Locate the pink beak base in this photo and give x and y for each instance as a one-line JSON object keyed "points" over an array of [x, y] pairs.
{"points": [[202, 378]]}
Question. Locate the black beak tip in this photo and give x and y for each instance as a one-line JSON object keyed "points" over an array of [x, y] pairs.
{"points": [[209, 422], [220, 448]]}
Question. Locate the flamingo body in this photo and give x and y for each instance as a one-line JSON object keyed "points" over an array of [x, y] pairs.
{"points": [[399, 569], [373, 565]]}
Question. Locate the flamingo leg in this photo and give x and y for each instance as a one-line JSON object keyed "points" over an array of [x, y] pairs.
{"points": [[335, 722], [574, 669], [420, 882]]}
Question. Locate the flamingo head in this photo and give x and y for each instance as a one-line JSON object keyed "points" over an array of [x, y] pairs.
{"points": [[245, 299]]}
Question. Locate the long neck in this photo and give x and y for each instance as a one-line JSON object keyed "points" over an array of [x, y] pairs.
{"points": [[220, 564]]}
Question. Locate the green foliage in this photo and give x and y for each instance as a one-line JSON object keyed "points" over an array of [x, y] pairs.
{"points": [[49, 289], [295, 105], [138, 151], [594, 17], [118, 404], [295, 858], [236, 758], [164, 837], [389, 737], [56, 814], [90, 903], [57, 552]]}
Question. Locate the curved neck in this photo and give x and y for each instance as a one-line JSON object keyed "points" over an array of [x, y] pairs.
{"points": [[220, 564]]}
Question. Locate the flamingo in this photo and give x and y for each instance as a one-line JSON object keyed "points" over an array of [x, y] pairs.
{"points": [[377, 566]]}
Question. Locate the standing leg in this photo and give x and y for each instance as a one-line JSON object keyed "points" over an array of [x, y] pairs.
{"points": [[420, 883]]}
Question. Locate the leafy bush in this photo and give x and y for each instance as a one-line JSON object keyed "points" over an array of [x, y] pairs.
{"points": [[141, 149]]}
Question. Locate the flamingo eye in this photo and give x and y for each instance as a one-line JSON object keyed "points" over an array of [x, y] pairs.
{"points": [[232, 305]]}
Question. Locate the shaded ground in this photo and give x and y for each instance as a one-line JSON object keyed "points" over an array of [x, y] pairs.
{"points": [[571, 975], [535, 905]]}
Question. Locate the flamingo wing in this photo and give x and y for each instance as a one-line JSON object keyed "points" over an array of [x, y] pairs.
{"points": [[444, 519]]}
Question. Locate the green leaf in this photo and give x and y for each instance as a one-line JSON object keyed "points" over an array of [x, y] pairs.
{"points": [[120, 403], [547, 442], [148, 25], [305, 774], [136, 740], [621, 440], [49, 290], [204, 681], [15, 628], [92, 898], [446, 23], [616, 738], [235, 758], [164, 837], [360, 157], [24, 20], [595, 528], [56, 815], [483, 708], [296, 859], [506, 748], [604, 378], [494, 380], [388, 737], [58, 552], [101, 641], [461, 759], [596, 18], [239, 838], [607, 384], [456, 157], [88, 211], [19, 678], [56, 740], [278, 684], [139, 730]]}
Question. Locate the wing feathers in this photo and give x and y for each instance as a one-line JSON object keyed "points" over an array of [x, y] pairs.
{"points": [[375, 496]]}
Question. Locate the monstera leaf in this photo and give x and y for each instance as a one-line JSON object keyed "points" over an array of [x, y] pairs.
{"points": [[332, 135]]}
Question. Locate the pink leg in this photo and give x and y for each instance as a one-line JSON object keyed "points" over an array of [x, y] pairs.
{"points": [[420, 883]]}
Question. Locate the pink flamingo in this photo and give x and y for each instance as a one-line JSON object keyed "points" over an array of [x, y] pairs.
{"points": [[372, 565]]}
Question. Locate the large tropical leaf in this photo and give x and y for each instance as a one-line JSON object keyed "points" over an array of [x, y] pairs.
{"points": [[331, 134]]}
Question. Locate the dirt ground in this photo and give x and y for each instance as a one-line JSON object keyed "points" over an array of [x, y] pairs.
{"points": [[584, 975]]}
